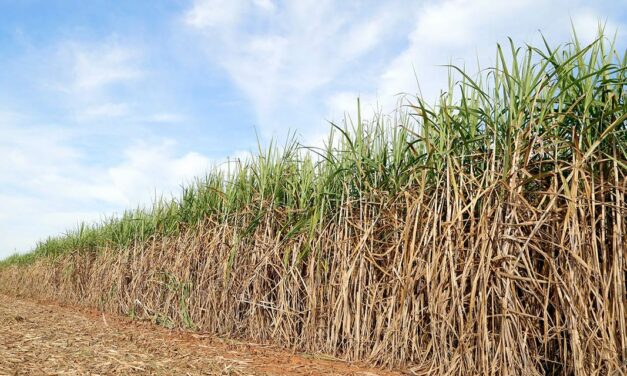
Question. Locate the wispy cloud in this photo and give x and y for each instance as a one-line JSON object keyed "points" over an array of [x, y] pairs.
{"points": [[284, 56], [45, 175], [105, 110], [92, 74], [147, 166], [89, 67], [96, 67]]}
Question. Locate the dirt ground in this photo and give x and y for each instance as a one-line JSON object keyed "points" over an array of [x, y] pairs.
{"points": [[38, 338]]}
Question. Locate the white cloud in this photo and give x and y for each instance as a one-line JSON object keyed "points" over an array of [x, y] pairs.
{"points": [[105, 110], [284, 56], [147, 167], [165, 117], [215, 13], [265, 4], [24, 220], [87, 77], [102, 65], [47, 183]]}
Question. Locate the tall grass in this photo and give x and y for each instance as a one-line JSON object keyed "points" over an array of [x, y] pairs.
{"points": [[484, 234]]}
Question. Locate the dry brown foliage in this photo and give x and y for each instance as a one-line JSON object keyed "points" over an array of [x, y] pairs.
{"points": [[527, 285]]}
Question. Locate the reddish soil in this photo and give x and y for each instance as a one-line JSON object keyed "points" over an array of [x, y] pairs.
{"points": [[44, 338]]}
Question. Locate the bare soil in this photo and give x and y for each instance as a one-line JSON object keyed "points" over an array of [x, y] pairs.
{"points": [[44, 338]]}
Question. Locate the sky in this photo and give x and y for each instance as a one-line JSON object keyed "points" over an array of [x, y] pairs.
{"points": [[105, 105]]}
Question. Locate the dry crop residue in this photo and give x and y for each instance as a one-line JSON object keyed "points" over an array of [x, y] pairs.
{"points": [[48, 339]]}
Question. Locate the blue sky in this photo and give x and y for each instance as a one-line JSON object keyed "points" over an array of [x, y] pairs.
{"points": [[105, 104]]}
